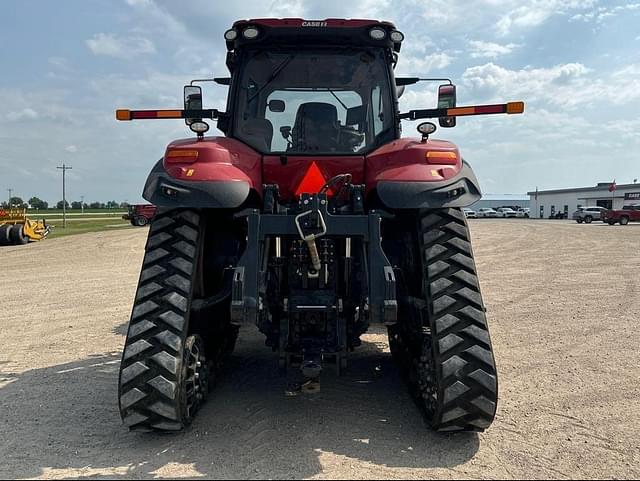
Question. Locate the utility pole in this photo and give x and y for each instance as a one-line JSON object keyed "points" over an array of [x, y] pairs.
{"points": [[10, 191], [82, 203], [64, 169]]}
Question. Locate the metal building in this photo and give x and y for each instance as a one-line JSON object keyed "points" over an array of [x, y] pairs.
{"points": [[545, 203]]}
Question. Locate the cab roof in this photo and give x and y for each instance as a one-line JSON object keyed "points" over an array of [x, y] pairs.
{"points": [[302, 33]]}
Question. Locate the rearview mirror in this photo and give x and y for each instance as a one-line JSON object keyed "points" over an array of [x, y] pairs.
{"points": [[276, 106], [192, 100], [447, 100], [356, 115]]}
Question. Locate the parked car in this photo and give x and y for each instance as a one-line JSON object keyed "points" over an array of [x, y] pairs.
{"points": [[506, 212], [629, 213], [523, 212], [469, 213], [588, 214], [487, 212]]}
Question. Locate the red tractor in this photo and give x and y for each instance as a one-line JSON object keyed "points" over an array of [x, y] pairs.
{"points": [[140, 214], [312, 219]]}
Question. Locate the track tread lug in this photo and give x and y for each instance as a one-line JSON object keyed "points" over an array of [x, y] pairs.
{"points": [[173, 319], [131, 397], [184, 248], [143, 309], [136, 348], [452, 366], [166, 361], [446, 322], [151, 272], [164, 409], [454, 413], [176, 300], [140, 327], [164, 386], [154, 256], [486, 380], [170, 340], [132, 372], [454, 391], [157, 239]]}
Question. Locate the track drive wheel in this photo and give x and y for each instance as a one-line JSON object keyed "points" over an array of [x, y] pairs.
{"points": [[447, 349], [164, 374]]}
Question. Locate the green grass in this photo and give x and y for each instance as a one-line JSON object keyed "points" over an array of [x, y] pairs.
{"points": [[39, 214], [84, 226]]}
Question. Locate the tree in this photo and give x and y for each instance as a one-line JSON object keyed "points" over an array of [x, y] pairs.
{"points": [[16, 202], [124, 205], [96, 205], [36, 203], [76, 204], [59, 205], [112, 204]]}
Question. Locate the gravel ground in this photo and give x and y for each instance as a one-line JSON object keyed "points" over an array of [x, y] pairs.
{"points": [[563, 304]]}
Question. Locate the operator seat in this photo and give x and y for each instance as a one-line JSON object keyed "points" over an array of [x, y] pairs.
{"points": [[259, 133], [316, 128]]}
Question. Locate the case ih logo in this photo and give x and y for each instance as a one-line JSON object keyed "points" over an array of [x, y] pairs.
{"points": [[314, 24], [632, 196]]}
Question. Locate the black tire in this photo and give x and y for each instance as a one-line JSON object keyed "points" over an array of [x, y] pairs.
{"points": [[16, 235], [611, 222], [579, 220], [154, 370], [588, 219], [5, 240], [624, 220], [453, 366], [139, 221]]}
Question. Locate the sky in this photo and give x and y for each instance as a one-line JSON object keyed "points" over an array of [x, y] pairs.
{"points": [[67, 65]]}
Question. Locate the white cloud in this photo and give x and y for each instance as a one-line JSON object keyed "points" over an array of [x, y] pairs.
{"points": [[24, 114], [599, 14], [71, 149], [552, 84], [480, 49], [287, 8], [538, 12], [120, 47]]}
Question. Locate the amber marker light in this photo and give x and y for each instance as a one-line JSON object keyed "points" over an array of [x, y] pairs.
{"points": [[435, 157], [123, 114], [181, 155], [515, 107]]}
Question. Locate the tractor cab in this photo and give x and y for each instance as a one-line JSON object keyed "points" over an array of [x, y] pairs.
{"points": [[312, 88]]}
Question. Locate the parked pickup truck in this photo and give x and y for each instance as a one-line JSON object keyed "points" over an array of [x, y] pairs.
{"points": [[628, 213]]}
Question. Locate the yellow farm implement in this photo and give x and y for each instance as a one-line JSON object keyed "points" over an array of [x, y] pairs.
{"points": [[17, 229]]}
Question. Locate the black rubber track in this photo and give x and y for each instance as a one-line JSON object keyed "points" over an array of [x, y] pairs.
{"points": [[152, 366], [456, 373]]}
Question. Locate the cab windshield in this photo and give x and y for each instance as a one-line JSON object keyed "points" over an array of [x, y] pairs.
{"points": [[314, 102]]}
